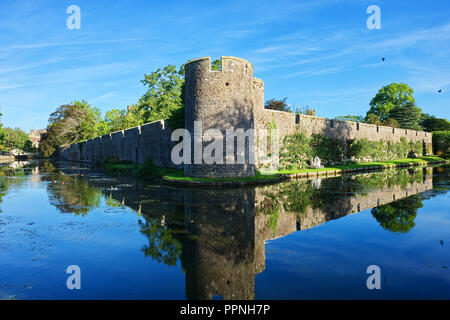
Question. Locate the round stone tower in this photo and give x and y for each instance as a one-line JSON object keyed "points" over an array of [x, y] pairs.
{"points": [[225, 101]]}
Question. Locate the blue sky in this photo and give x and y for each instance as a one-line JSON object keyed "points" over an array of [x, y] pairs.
{"points": [[318, 53]]}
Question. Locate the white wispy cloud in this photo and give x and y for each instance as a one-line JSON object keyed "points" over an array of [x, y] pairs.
{"points": [[102, 97], [310, 73], [75, 43], [11, 86]]}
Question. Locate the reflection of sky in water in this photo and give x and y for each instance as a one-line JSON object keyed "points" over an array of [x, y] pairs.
{"points": [[149, 241]]}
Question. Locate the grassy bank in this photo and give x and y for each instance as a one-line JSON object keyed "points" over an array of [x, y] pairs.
{"points": [[148, 169], [387, 164], [180, 177]]}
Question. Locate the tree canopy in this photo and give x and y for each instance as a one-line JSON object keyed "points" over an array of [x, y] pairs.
{"points": [[279, 105], [14, 139], [164, 98], [68, 124], [407, 116], [390, 96], [350, 118], [430, 123]]}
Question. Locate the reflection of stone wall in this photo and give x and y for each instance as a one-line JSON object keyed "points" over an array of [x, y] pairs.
{"points": [[343, 206], [226, 229]]}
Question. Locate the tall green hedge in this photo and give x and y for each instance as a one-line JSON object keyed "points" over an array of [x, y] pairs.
{"points": [[441, 143]]}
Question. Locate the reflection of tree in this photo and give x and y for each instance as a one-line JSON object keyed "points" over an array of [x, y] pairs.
{"points": [[333, 198], [163, 246], [73, 194], [390, 178], [398, 216], [10, 178]]}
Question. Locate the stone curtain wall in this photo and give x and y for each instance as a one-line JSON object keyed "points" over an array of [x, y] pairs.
{"points": [[150, 141], [351, 130], [288, 124]]}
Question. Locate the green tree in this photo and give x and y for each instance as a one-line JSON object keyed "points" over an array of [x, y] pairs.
{"points": [[351, 118], [372, 118], [116, 120], [14, 139], [407, 116], [390, 122], [441, 143], [164, 98], [216, 65], [69, 124], [430, 123], [388, 97], [279, 105]]}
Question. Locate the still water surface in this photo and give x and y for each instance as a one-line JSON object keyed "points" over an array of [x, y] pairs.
{"points": [[135, 239]]}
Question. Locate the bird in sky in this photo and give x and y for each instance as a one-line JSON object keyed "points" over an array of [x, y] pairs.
{"points": [[382, 59], [440, 90]]}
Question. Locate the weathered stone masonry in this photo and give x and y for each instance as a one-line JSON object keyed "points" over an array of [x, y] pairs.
{"points": [[228, 99], [150, 141], [220, 100]]}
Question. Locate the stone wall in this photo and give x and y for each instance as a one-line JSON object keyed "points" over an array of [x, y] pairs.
{"points": [[352, 130], [288, 123], [150, 141]]}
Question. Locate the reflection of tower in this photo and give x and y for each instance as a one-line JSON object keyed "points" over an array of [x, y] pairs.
{"points": [[219, 256], [35, 177]]}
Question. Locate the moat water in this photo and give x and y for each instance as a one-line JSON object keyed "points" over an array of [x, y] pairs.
{"points": [[143, 239]]}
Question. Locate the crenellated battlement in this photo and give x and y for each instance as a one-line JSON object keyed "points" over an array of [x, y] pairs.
{"points": [[229, 64]]}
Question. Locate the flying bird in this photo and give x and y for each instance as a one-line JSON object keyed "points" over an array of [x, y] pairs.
{"points": [[440, 90], [382, 59]]}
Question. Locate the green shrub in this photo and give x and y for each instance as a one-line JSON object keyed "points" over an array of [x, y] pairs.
{"points": [[441, 143], [327, 149], [295, 151], [298, 149]]}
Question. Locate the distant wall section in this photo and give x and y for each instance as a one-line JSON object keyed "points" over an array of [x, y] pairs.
{"points": [[150, 141]]}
